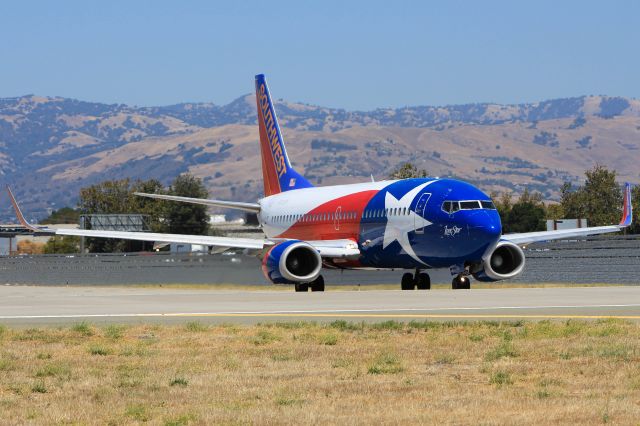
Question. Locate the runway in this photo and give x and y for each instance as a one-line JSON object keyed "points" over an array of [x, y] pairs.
{"points": [[30, 305]]}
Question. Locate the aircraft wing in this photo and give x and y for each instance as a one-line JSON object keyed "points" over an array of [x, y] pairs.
{"points": [[326, 248], [248, 207], [205, 240], [534, 237]]}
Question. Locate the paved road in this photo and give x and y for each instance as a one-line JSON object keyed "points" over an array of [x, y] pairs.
{"points": [[26, 305]]}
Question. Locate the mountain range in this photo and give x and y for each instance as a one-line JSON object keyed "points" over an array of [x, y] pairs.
{"points": [[50, 147]]}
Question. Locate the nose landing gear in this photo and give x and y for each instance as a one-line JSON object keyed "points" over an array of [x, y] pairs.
{"points": [[461, 282], [420, 280]]}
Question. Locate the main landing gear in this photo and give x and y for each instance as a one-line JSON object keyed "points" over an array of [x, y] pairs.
{"points": [[420, 280], [461, 282], [315, 285]]}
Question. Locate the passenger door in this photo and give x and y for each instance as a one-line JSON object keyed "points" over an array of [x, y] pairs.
{"points": [[421, 206]]}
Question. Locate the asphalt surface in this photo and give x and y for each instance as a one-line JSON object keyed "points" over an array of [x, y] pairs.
{"points": [[613, 260], [31, 305]]}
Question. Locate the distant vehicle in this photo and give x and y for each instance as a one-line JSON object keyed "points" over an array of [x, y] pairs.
{"points": [[411, 224]]}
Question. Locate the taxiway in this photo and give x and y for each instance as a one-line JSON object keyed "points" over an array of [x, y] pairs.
{"points": [[29, 305]]}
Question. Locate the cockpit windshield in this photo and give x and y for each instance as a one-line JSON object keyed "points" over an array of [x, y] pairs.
{"points": [[454, 206]]}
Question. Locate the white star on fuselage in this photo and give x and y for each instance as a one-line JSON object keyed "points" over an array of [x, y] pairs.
{"points": [[399, 226]]}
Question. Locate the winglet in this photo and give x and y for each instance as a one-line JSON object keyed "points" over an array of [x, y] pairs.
{"points": [[627, 209], [19, 214]]}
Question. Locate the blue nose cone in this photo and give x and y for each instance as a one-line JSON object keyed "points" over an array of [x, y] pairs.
{"points": [[493, 228], [484, 226]]}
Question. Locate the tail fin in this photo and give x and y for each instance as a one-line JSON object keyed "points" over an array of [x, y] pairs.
{"points": [[627, 210], [277, 173]]}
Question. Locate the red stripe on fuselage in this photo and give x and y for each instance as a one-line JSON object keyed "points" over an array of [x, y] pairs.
{"points": [[329, 227]]}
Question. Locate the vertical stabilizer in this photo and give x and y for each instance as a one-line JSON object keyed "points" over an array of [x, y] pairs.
{"points": [[627, 207], [277, 173]]}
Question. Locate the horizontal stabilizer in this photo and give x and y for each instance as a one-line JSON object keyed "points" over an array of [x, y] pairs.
{"points": [[248, 207]]}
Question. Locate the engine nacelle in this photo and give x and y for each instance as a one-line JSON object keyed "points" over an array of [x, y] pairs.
{"points": [[505, 261], [292, 262]]}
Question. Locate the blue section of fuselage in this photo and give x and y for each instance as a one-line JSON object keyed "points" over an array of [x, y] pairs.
{"points": [[450, 239]]}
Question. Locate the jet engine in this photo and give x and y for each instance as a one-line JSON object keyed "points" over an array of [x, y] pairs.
{"points": [[292, 262], [504, 261]]}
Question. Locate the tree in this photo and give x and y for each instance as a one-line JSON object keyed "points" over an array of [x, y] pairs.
{"points": [[526, 215], [63, 215], [116, 197], [555, 212], [503, 205], [62, 245], [108, 197], [153, 209], [30, 247], [186, 218], [599, 200], [406, 171]]}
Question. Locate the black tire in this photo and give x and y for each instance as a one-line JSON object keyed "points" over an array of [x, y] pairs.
{"points": [[317, 284], [407, 282], [461, 283], [302, 287], [424, 281], [465, 283]]}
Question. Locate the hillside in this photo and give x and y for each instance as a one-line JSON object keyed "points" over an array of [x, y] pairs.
{"points": [[51, 147]]}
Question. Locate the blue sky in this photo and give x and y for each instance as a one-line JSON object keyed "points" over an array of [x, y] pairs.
{"points": [[349, 54]]}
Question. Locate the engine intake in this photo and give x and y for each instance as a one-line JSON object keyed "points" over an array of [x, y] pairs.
{"points": [[505, 261], [292, 262]]}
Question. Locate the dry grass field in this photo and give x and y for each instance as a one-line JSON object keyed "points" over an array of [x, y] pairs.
{"points": [[339, 373]]}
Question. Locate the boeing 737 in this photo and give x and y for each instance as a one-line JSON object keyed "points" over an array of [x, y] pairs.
{"points": [[409, 224]]}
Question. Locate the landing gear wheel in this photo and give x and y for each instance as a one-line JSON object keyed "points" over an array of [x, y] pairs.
{"points": [[407, 282], [302, 287], [423, 282], [461, 283], [317, 284]]}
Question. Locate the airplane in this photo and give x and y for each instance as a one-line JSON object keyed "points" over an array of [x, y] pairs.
{"points": [[414, 224]]}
